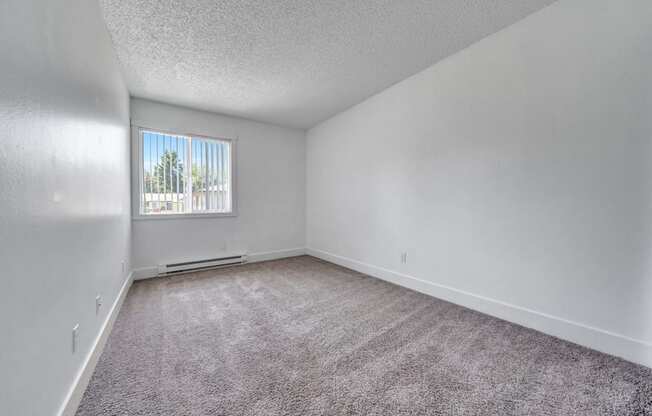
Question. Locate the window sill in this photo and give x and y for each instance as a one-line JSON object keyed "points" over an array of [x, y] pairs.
{"points": [[182, 216]]}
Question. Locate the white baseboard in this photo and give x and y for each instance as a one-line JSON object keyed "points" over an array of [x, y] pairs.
{"points": [[152, 271], [71, 403], [278, 254], [634, 350], [145, 272]]}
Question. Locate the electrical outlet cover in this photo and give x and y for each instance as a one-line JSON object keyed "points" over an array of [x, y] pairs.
{"points": [[75, 338]]}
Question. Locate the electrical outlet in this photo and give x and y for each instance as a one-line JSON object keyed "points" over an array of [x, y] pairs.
{"points": [[404, 257], [98, 304], [75, 338]]}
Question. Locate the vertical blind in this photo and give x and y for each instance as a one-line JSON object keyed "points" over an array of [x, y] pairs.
{"points": [[184, 174]]}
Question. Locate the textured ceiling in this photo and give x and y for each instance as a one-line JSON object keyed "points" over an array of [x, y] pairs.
{"points": [[291, 62]]}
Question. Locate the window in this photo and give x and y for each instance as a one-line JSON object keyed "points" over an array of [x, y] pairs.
{"points": [[184, 174]]}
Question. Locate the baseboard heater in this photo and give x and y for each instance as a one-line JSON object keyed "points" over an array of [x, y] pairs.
{"points": [[197, 265]]}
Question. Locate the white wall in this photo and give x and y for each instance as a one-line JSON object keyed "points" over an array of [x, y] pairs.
{"points": [[270, 172], [517, 174], [64, 194]]}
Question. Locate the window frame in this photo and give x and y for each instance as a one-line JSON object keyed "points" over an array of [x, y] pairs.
{"points": [[137, 173]]}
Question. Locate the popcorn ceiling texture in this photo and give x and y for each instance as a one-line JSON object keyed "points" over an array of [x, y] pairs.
{"points": [[304, 337], [291, 62]]}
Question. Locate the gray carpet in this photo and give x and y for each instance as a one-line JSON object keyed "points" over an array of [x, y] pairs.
{"points": [[305, 337]]}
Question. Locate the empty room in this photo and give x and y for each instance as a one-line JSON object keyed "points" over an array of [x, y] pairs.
{"points": [[325, 207]]}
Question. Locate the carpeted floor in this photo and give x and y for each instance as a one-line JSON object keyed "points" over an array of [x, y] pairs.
{"points": [[304, 337]]}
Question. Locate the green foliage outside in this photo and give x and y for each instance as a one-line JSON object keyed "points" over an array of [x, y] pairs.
{"points": [[169, 176]]}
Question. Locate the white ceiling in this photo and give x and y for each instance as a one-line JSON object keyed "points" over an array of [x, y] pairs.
{"points": [[291, 62]]}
